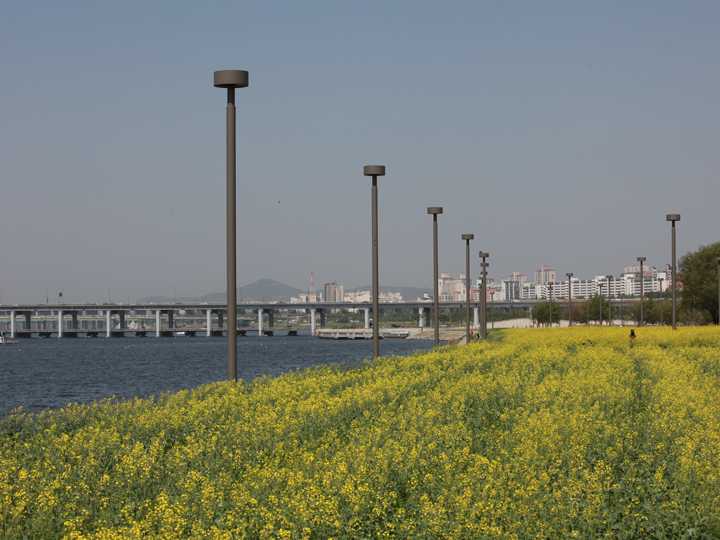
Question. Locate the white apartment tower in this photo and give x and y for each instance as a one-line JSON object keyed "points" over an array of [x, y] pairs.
{"points": [[544, 275]]}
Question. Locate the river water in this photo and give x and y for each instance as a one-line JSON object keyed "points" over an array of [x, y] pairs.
{"points": [[52, 373]]}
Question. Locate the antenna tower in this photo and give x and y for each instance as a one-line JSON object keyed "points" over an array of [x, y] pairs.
{"points": [[312, 297]]}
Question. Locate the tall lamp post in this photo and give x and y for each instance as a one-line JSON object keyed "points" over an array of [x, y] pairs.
{"points": [[435, 210], [609, 277], [483, 295], [549, 289], [569, 276], [231, 79], [600, 295], [375, 171], [642, 292], [662, 297], [718, 261], [673, 218], [467, 238]]}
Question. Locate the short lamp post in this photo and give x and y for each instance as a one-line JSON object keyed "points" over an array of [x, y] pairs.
{"points": [[435, 210], [642, 292], [601, 300], [231, 80], [549, 293], [673, 218], [662, 297], [467, 238], [483, 295], [375, 171], [569, 276], [609, 277]]}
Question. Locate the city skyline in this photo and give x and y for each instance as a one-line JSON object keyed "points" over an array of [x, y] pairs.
{"points": [[561, 133]]}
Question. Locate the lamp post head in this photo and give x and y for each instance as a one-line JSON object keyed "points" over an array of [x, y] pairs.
{"points": [[483, 254], [642, 259], [468, 237], [374, 170], [435, 210], [569, 274], [231, 79], [673, 217], [609, 276]]}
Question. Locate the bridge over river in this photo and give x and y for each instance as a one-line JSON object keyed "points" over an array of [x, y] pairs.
{"points": [[159, 320]]}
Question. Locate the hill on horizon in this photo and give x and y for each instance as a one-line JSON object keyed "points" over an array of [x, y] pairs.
{"points": [[269, 290]]}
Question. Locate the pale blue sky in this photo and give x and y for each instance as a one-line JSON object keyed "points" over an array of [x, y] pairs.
{"points": [[558, 133]]}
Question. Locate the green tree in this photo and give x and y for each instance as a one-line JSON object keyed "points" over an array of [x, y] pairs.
{"points": [[594, 308], [579, 312], [651, 311], [698, 274], [541, 313]]}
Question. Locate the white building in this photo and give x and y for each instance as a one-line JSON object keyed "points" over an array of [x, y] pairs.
{"points": [[357, 296], [625, 285], [544, 275]]}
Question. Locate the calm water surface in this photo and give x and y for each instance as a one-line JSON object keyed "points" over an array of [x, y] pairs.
{"points": [[51, 373]]}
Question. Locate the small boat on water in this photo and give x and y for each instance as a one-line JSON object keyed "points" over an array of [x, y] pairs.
{"points": [[5, 343]]}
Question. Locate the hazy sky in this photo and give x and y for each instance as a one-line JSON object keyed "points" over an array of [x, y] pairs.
{"points": [[557, 132]]}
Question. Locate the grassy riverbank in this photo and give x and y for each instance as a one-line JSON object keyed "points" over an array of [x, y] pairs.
{"points": [[539, 433]]}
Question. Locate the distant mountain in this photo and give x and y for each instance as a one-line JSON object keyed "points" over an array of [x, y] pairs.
{"points": [[269, 290], [263, 290]]}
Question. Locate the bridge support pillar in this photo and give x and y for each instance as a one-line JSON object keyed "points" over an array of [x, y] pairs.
{"points": [[171, 320], [74, 318], [313, 326], [421, 317], [221, 320], [121, 314], [260, 321], [108, 323], [271, 318], [158, 319], [60, 324], [367, 318], [322, 318], [425, 316], [476, 316], [13, 322], [208, 322]]}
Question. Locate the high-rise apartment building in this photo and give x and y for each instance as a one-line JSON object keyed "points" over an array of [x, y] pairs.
{"points": [[544, 275], [334, 292]]}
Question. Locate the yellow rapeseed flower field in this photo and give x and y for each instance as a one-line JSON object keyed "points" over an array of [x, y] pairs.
{"points": [[537, 433]]}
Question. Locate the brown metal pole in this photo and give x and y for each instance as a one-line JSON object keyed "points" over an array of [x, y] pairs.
{"points": [[231, 79], [435, 210], [467, 238], [569, 276], [375, 171], [673, 218], [231, 240], [483, 296], [642, 291]]}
